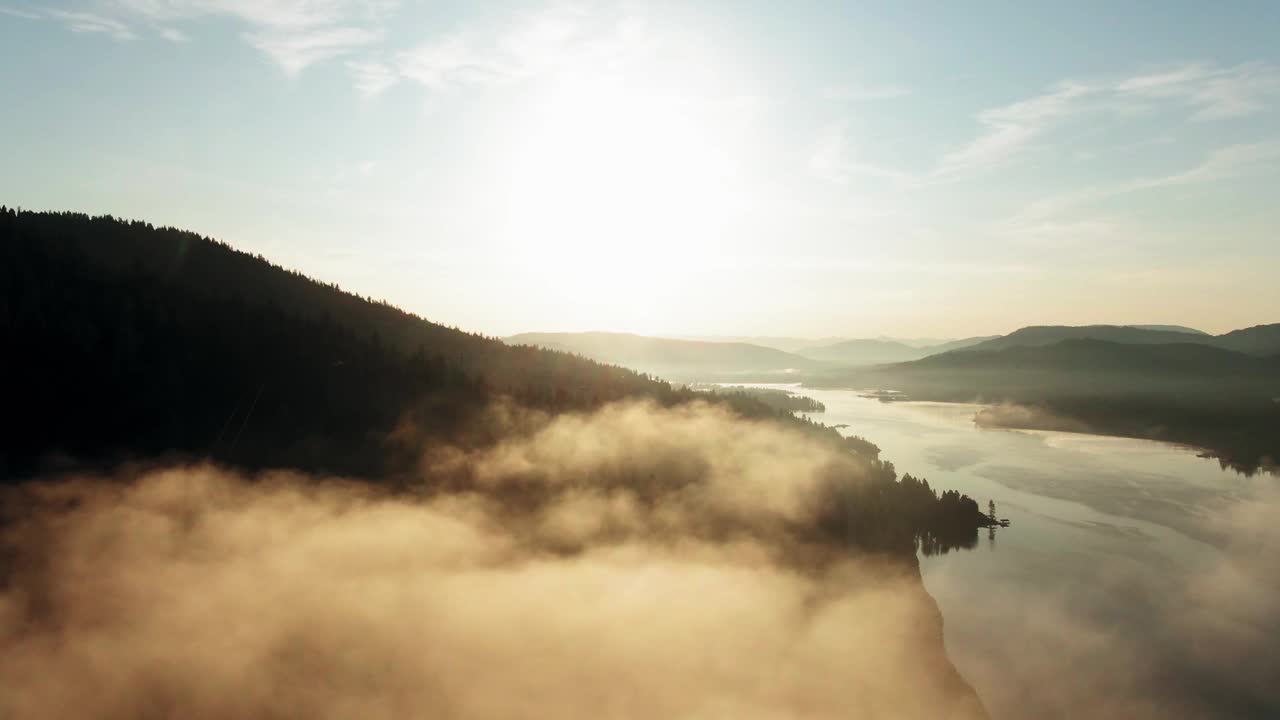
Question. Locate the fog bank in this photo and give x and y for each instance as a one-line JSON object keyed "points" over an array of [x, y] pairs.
{"points": [[635, 562]]}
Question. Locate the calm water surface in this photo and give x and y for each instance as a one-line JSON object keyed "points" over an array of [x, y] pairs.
{"points": [[1137, 580]]}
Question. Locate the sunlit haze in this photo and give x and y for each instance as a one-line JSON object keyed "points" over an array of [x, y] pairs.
{"points": [[389, 359], [935, 170]]}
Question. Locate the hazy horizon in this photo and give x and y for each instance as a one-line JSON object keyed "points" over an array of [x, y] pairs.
{"points": [[639, 358], [727, 169]]}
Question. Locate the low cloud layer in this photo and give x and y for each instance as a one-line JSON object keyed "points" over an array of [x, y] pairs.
{"points": [[1012, 415], [638, 562], [1184, 631]]}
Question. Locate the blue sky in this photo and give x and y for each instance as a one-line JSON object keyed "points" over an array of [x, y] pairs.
{"points": [[815, 169]]}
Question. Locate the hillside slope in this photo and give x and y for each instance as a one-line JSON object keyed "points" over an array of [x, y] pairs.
{"points": [[1185, 392], [864, 352], [1260, 340], [682, 360], [130, 343], [125, 340], [1038, 335]]}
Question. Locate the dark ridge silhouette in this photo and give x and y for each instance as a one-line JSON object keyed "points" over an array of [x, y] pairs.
{"points": [[129, 342], [1049, 334], [138, 340], [1189, 393], [1256, 340], [1260, 340], [959, 344], [1170, 328], [1089, 355]]}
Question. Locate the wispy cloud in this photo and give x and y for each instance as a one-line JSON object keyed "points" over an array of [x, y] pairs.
{"points": [[372, 78], [293, 33], [295, 50], [1222, 163], [526, 46], [1196, 92], [1055, 219], [833, 159], [173, 35], [542, 43], [278, 14], [1214, 93], [19, 13], [83, 22], [452, 61], [1010, 128]]}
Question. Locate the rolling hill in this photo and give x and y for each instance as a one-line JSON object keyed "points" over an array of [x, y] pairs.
{"points": [[1050, 334], [1260, 340], [681, 360], [959, 344], [1188, 392], [864, 352], [851, 353], [126, 340], [132, 346], [1170, 328]]}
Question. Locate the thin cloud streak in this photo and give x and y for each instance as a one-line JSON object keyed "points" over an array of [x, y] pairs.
{"points": [[294, 33], [294, 51], [527, 46], [14, 12], [1210, 92], [174, 35], [83, 22], [372, 78], [1225, 163], [1215, 93]]}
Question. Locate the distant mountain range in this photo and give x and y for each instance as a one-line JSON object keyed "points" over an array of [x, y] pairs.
{"points": [[1170, 328], [680, 360], [875, 352], [705, 360], [1165, 382], [730, 360], [1258, 340], [1082, 366], [785, 344], [1098, 359], [1217, 392]]}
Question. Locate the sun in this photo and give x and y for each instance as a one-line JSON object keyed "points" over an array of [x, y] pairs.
{"points": [[614, 186]]}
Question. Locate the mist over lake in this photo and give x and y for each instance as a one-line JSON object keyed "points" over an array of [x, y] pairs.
{"points": [[1136, 579], [387, 359]]}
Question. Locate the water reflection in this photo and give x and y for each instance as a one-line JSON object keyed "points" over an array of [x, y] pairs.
{"points": [[941, 542], [1138, 580]]}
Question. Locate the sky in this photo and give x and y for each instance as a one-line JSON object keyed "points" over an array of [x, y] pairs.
{"points": [[739, 168]]}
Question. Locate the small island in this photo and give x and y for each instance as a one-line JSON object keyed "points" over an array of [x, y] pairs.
{"points": [[776, 398]]}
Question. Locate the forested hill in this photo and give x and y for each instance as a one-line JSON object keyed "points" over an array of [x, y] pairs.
{"points": [[1187, 392], [214, 270], [128, 342], [121, 335], [1260, 340]]}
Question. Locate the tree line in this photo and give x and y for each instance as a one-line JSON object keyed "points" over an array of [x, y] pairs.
{"points": [[127, 341]]}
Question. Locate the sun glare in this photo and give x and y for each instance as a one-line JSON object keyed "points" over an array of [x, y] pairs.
{"points": [[613, 187]]}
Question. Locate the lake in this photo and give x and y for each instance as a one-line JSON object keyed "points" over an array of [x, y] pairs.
{"points": [[1137, 580]]}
